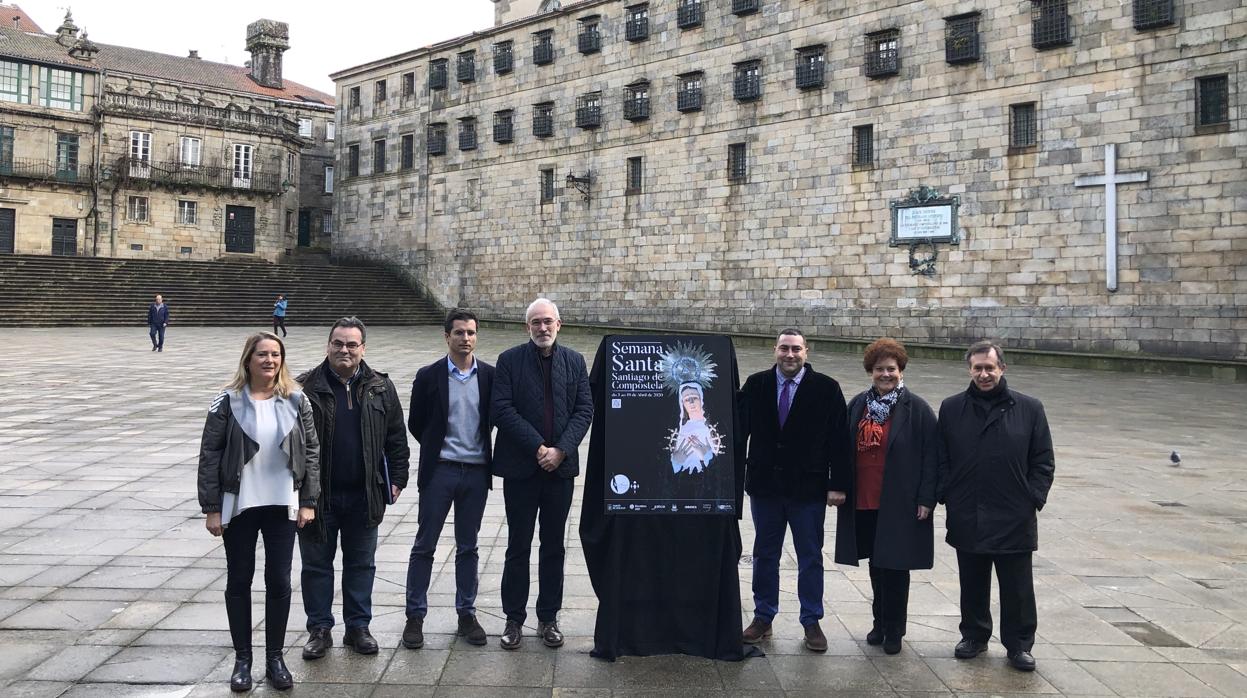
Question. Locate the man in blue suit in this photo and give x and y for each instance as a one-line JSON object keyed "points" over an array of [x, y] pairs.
{"points": [[542, 408], [157, 321], [449, 416]]}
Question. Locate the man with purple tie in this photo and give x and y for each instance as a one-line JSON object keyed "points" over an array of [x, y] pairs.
{"points": [[798, 465]]}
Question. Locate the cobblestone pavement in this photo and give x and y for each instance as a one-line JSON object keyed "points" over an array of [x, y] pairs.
{"points": [[110, 586]]}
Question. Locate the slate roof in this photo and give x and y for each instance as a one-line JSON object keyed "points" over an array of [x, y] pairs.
{"points": [[42, 48]]}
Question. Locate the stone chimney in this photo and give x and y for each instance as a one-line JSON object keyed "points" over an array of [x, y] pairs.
{"points": [[267, 40], [193, 54], [67, 33], [84, 49]]}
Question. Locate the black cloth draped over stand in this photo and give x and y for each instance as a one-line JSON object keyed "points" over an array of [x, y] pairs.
{"points": [[665, 583]]}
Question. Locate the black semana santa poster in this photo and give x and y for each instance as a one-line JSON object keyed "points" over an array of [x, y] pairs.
{"points": [[669, 425]]}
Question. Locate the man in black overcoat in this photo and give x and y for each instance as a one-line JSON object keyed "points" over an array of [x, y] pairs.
{"points": [[449, 416], [795, 420], [542, 408], [996, 467]]}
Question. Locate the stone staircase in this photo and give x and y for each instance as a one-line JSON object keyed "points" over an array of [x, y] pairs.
{"points": [[85, 291]]}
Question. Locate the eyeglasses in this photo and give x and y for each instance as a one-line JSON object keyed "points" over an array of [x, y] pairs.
{"points": [[349, 346], [542, 322]]}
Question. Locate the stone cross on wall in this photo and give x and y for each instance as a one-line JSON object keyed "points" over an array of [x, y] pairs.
{"points": [[1109, 180]]}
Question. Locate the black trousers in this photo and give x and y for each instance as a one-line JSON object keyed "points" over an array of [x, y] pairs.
{"points": [[1017, 598], [544, 498], [279, 321], [240, 538], [889, 589]]}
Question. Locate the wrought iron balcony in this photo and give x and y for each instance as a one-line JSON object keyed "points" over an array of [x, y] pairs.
{"points": [[504, 61], [504, 132], [543, 53], [810, 74], [588, 117], [466, 69], [636, 108], [689, 14], [747, 87], [589, 41], [135, 171], [882, 62], [637, 29], [688, 99], [437, 76], [189, 112], [437, 143], [961, 39], [45, 171], [543, 125], [744, 7]]}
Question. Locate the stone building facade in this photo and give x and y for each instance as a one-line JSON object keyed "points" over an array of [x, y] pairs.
{"points": [[119, 152], [734, 164]]}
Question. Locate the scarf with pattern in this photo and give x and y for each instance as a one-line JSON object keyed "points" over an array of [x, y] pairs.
{"points": [[878, 410]]}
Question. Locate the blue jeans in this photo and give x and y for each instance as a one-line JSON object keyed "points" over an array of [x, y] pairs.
{"points": [[347, 518], [467, 488], [157, 332], [772, 516]]}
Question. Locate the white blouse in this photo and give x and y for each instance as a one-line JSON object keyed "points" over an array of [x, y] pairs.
{"points": [[266, 478]]}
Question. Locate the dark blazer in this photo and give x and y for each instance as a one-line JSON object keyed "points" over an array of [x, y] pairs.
{"points": [[158, 315], [430, 408], [810, 455], [518, 409], [995, 473], [902, 542]]}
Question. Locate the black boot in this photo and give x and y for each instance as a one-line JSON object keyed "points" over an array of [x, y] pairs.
{"points": [[276, 672], [240, 680]]}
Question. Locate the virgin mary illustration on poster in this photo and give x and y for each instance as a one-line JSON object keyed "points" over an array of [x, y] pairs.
{"points": [[687, 372]]}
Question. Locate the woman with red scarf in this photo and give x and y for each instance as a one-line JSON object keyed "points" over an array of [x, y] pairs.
{"points": [[887, 514]]}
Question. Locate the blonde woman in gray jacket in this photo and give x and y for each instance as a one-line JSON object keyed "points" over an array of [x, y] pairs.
{"points": [[259, 475]]}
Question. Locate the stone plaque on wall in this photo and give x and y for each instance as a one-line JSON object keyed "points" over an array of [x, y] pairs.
{"points": [[925, 216]]}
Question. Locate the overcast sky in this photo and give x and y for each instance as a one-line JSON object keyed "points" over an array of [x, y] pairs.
{"points": [[324, 37]]}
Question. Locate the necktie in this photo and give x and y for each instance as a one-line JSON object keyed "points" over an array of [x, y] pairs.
{"points": [[785, 402]]}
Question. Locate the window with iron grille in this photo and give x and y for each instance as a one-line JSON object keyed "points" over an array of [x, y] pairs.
{"points": [[352, 98], [744, 7], [589, 40], [864, 146], [689, 14], [504, 126], [747, 81], [543, 47], [465, 68], [811, 66], [352, 160], [547, 184], [378, 91], [378, 156], [1023, 129], [1150, 14], [407, 153], [636, 101], [737, 163], [635, 175], [408, 85], [688, 91], [961, 38], [436, 142], [437, 74], [543, 119], [883, 53], [1050, 23], [504, 59], [1212, 96], [589, 110], [467, 134], [637, 26]]}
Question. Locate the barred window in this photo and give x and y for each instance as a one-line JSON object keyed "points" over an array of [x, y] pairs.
{"points": [[737, 163], [547, 184], [961, 38], [543, 119], [504, 59], [465, 69], [326, 223], [635, 175], [504, 126], [1212, 95], [883, 53], [637, 26], [437, 74], [636, 101], [352, 160], [352, 98], [15, 82], [409, 84], [1050, 23], [136, 210], [436, 142], [589, 40], [543, 47], [747, 83], [810, 67], [1023, 129], [863, 146], [589, 110], [407, 152], [378, 91], [688, 91], [1150, 14], [467, 133], [378, 156], [188, 212], [744, 7], [689, 14]]}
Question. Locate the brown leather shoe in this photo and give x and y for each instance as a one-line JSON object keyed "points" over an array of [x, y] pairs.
{"points": [[815, 640], [756, 631]]}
